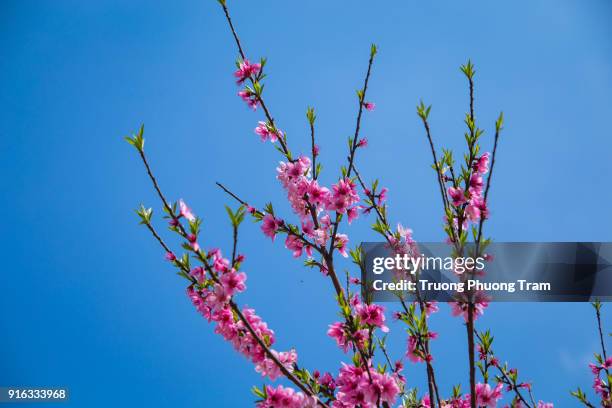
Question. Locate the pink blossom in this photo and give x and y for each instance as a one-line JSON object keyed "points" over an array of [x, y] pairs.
{"points": [[457, 195], [384, 387], [344, 195], [545, 405], [194, 244], [268, 367], [340, 243], [481, 165], [411, 350], [476, 184], [472, 212], [249, 97], [185, 211], [477, 209], [266, 131], [328, 381], [270, 225], [405, 233], [481, 302], [383, 195], [219, 263], [362, 142], [320, 236], [233, 282], [295, 244], [293, 177], [337, 331], [308, 228], [373, 315], [458, 402], [369, 106], [352, 213], [170, 257], [245, 70], [317, 195], [354, 388], [413, 353], [430, 307], [214, 306], [487, 396], [284, 397], [198, 273]]}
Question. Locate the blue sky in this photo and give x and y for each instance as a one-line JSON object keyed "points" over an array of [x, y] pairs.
{"points": [[88, 302]]}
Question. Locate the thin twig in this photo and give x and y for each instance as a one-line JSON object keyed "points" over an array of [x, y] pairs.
{"points": [[233, 305], [354, 145]]}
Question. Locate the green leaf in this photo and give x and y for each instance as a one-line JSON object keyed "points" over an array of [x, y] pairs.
{"points": [[468, 69], [144, 214], [499, 123], [255, 390], [310, 115], [137, 140], [423, 111]]}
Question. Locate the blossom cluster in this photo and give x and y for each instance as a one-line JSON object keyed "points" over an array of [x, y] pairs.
{"points": [[364, 318], [285, 397], [601, 387], [313, 204], [355, 389], [303, 192], [212, 300], [461, 306], [476, 207]]}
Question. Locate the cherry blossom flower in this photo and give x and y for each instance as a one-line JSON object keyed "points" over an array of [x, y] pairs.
{"points": [[481, 302], [270, 225], [284, 397], [457, 195], [249, 97], [185, 211], [373, 315], [246, 70], [295, 244], [352, 213], [487, 396], [233, 282], [338, 332], [355, 388], [481, 165], [268, 132], [268, 367], [340, 243]]}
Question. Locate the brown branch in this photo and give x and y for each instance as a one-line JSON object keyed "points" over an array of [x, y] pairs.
{"points": [[233, 305], [504, 375], [251, 79], [354, 145], [429, 367], [284, 229]]}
